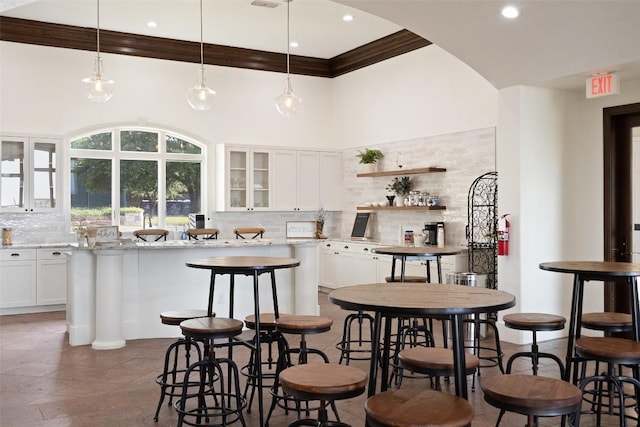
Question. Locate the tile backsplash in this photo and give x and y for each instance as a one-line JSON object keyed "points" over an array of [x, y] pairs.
{"points": [[465, 155]]}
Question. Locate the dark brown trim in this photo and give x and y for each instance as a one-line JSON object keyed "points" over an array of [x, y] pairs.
{"points": [[81, 38], [617, 123]]}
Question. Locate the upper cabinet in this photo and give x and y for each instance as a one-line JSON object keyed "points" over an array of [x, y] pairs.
{"points": [[29, 181], [243, 178], [306, 180]]}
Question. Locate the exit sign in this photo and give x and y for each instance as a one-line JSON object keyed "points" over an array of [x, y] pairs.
{"points": [[606, 84]]}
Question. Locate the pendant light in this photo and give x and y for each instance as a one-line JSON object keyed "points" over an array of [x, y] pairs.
{"points": [[200, 96], [288, 103], [97, 87]]}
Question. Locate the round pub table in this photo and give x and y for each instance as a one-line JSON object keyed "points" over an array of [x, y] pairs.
{"points": [[248, 266]]}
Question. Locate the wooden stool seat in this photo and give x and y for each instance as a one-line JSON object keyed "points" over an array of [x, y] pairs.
{"points": [[407, 279], [325, 382], [434, 360], [609, 349], [607, 321], [205, 233], [304, 324], [241, 231], [159, 233], [174, 318], [535, 322], [211, 327], [267, 321], [408, 408], [532, 395]]}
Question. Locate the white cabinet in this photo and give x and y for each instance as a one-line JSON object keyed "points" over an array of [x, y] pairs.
{"points": [[243, 178], [17, 278], [306, 180], [32, 277], [350, 263], [52, 277], [29, 179]]}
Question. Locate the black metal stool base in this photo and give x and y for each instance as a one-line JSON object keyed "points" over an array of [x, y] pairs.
{"points": [[358, 348], [216, 403]]}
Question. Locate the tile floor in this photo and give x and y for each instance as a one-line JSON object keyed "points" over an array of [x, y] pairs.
{"points": [[46, 382]]}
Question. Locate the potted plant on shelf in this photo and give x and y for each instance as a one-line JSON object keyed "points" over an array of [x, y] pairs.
{"points": [[369, 158], [400, 187]]}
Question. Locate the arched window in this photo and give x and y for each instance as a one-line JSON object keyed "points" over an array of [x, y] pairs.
{"points": [[136, 178]]}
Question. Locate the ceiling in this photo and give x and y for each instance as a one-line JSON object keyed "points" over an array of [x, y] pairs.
{"points": [[554, 43]]}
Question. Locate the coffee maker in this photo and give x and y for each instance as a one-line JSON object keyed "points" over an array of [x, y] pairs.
{"points": [[430, 232]]}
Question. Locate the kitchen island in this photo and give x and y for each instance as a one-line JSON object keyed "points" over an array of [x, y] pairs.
{"points": [[138, 281]]}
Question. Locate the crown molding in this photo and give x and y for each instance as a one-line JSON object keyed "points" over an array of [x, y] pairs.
{"points": [[83, 38]]}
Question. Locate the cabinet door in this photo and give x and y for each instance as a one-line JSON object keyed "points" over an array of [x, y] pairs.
{"points": [[52, 277], [14, 166], [346, 267], [260, 179], [308, 179], [328, 272], [44, 174], [17, 283], [331, 181], [284, 189], [238, 179]]}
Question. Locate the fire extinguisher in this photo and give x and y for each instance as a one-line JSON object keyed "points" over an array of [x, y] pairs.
{"points": [[503, 235]]}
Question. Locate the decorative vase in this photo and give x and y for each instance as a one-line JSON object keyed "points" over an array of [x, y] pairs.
{"points": [[319, 233], [368, 167], [390, 199], [399, 201]]}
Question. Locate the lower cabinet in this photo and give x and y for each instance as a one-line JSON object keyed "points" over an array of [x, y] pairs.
{"points": [[32, 277], [352, 263]]}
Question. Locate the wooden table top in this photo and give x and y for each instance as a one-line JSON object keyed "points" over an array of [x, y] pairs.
{"points": [[243, 262], [421, 298], [599, 268], [416, 250]]}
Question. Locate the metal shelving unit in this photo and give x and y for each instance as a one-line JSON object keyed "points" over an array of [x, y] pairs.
{"points": [[481, 227]]}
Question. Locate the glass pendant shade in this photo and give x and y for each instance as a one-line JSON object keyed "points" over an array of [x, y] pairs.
{"points": [[97, 87], [200, 97], [288, 103]]}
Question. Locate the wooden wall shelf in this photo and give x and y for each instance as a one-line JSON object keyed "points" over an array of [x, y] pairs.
{"points": [[401, 208], [402, 172]]}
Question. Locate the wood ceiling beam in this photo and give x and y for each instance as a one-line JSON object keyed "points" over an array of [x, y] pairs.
{"points": [[83, 38]]}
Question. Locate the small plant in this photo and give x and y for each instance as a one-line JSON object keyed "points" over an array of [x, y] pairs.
{"points": [[369, 156], [400, 186]]}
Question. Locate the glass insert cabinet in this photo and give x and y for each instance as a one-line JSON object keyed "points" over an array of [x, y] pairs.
{"points": [[246, 174], [29, 180]]}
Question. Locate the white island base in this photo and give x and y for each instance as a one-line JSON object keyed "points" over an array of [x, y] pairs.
{"points": [[117, 293]]}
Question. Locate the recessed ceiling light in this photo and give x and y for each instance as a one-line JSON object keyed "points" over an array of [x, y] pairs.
{"points": [[152, 24], [510, 12], [347, 18], [294, 44]]}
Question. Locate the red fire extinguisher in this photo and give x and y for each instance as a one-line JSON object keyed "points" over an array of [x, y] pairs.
{"points": [[503, 235]]}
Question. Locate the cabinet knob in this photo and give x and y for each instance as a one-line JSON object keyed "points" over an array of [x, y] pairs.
{"points": [[56, 253], [15, 254], [346, 247], [366, 249]]}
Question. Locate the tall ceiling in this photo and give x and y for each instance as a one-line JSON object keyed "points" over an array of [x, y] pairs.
{"points": [[554, 43]]}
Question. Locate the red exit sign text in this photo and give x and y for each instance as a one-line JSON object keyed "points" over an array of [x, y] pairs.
{"points": [[606, 84]]}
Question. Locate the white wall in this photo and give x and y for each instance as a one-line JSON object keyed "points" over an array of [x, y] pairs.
{"points": [[421, 93], [41, 93]]}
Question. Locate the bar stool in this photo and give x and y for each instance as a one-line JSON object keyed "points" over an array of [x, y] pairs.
{"points": [[205, 233], [158, 233], [360, 344], [534, 322], [302, 325], [256, 231], [223, 403], [411, 408], [268, 336], [172, 375], [612, 351], [532, 395], [435, 362], [325, 382]]}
